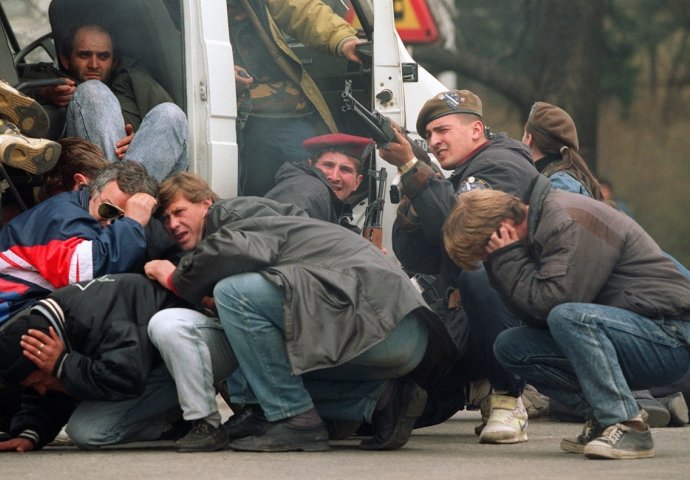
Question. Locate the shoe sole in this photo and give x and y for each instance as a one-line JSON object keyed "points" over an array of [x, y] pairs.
{"points": [[415, 398], [302, 447], [602, 452], [520, 438], [571, 446], [35, 160], [24, 112], [201, 448]]}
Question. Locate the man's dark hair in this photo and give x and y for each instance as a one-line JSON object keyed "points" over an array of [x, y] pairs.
{"points": [[65, 43], [77, 156], [131, 178]]}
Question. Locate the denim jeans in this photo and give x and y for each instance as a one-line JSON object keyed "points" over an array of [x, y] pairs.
{"points": [[591, 356], [251, 312], [99, 423], [197, 353], [265, 144], [488, 317], [160, 143]]}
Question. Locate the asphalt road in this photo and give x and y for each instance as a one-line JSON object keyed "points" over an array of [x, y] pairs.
{"points": [[447, 451]]}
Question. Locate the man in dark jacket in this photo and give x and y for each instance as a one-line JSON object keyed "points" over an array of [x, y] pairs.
{"points": [[452, 123], [114, 102], [322, 185], [317, 317], [84, 357], [604, 308]]}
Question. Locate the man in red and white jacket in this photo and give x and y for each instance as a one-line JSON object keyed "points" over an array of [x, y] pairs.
{"points": [[76, 236]]}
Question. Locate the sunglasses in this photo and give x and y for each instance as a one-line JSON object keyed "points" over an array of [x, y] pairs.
{"points": [[108, 211]]}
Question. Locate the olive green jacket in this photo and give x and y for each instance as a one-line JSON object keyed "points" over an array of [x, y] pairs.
{"points": [[315, 25]]}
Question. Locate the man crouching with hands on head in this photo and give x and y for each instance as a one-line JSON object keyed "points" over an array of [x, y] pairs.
{"points": [[322, 324], [604, 309]]}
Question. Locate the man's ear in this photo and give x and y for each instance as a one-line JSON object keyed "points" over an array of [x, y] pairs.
{"points": [[477, 129], [358, 182], [79, 180], [310, 162]]}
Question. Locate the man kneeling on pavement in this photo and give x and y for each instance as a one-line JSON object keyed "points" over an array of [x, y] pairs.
{"points": [[604, 308], [85, 360], [323, 325]]}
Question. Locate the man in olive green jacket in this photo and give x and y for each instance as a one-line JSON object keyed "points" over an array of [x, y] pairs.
{"points": [[114, 102]]}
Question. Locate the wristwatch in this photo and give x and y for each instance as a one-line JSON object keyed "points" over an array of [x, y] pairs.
{"points": [[403, 169]]}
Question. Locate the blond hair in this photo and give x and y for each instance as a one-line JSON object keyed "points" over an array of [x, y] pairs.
{"points": [[476, 216], [191, 186]]}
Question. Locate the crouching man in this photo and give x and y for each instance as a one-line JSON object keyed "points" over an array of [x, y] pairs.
{"points": [[85, 359], [323, 325], [605, 310]]}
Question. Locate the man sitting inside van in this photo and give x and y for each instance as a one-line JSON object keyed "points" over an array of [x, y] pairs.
{"points": [[114, 102]]}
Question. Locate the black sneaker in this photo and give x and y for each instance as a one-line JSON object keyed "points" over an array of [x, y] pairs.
{"points": [[590, 431], [203, 437], [249, 421], [621, 442], [283, 437], [394, 423]]}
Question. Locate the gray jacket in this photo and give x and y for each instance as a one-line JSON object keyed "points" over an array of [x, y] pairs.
{"points": [[582, 250], [342, 295]]}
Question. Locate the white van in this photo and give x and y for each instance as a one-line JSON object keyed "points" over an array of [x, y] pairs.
{"points": [[185, 44]]}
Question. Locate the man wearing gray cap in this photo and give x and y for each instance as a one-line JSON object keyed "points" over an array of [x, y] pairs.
{"points": [[453, 124]]}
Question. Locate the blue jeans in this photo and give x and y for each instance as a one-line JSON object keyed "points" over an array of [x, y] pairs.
{"points": [[99, 423], [591, 356], [160, 143], [251, 312], [488, 317], [197, 353]]}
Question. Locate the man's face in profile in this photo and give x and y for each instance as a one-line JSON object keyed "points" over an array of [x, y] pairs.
{"points": [[92, 55]]}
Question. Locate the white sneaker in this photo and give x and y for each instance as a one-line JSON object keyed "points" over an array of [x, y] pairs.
{"points": [[507, 420], [33, 155], [23, 111]]}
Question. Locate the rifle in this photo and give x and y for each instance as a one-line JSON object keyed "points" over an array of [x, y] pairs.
{"points": [[374, 215], [381, 130]]}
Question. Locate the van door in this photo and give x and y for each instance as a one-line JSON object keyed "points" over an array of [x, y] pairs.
{"points": [[211, 96]]}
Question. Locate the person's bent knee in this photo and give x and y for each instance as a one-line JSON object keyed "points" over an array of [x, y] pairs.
{"points": [[92, 90], [170, 114], [84, 436], [504, 347], [170, 324], [563, 314]]}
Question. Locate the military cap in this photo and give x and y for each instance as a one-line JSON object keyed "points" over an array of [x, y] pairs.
{"points": [[357, 147], [446, 103], [555, 122]]}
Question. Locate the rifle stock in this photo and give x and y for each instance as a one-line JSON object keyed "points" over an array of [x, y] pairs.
{"points": [[374, 235]]}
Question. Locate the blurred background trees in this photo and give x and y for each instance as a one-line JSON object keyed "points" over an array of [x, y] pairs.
{"points": [[621, 68]]}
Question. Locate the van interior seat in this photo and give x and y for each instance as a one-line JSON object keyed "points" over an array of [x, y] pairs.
{"points": [[148, 31]]}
